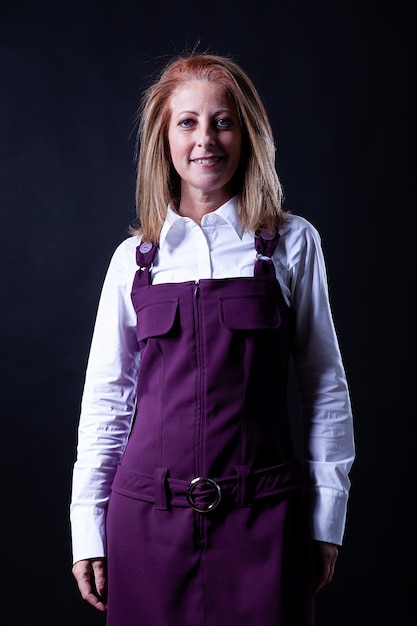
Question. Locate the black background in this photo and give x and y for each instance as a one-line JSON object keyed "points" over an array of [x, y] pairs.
{"points": [[337, 78]]}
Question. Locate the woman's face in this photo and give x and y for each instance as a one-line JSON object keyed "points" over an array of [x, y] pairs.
{"points": [[205, 140]]}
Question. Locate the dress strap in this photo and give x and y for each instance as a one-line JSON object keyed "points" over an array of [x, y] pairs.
{"points": [[145, 254], [265, 245]]}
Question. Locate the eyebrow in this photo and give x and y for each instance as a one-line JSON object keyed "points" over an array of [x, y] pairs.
{"points": [[219, 112]]}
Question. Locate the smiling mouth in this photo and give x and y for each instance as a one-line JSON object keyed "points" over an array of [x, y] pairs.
{"points": [[208, 160]]}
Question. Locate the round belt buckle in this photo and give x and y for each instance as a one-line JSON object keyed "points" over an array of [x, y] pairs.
{"points": [[210, 483]]}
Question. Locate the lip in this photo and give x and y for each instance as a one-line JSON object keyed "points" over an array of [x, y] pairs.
{"points": [[207, 160]]}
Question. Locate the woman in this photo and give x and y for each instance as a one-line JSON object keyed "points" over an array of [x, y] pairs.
{"points": [[189, 505]]}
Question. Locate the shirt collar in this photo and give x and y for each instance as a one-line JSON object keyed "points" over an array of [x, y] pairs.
{"points": [[228, 212]]}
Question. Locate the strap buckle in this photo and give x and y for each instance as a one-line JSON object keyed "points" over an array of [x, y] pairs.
{"points": [[217, 494]]}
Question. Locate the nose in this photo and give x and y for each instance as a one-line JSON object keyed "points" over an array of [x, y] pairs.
{"points": [[206, 135]]}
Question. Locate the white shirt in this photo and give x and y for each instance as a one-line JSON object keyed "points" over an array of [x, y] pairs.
{"points": [[218, 249]]}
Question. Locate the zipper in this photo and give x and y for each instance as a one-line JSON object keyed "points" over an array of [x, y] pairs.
{"points": [[200, 408], [199, 398]]}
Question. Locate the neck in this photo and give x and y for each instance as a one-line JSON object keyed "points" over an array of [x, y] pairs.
{"points": [[196, 207]]}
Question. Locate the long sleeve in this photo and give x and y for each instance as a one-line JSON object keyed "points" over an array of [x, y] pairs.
{"points": [[107, 405], [218, 249], [324, 396]]}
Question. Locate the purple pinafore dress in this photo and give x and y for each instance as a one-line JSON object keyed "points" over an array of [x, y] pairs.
{"points": [[206, 525]]}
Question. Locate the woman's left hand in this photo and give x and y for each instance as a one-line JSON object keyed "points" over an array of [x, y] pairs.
{"points": [[325, 560]]}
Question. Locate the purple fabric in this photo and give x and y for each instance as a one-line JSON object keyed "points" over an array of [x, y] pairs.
{"points": [[265, 244], [212, 403]]}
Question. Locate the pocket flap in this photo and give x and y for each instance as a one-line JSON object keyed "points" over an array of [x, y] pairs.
{"points": [[251, 312], [154, 320]]}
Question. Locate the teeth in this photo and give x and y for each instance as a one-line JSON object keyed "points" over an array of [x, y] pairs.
{"points": [[207, 161]]}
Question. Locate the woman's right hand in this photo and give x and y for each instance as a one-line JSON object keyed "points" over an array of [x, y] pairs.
{"points": [[91, 577]]}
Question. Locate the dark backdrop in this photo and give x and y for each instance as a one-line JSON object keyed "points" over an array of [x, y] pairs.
{"points": [[336, 77]]}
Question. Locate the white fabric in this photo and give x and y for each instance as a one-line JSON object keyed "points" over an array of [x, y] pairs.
{"points": [[217, 249]]}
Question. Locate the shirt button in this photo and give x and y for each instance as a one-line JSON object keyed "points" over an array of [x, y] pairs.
{"points": [[145, 247]]}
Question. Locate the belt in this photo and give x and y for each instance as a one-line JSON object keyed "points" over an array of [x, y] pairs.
{"points": [[206, 494]]}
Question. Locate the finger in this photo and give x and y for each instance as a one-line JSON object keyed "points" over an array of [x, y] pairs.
{"points": [[319, 584], [92, 599], [100, 578], [82, 572], [322, 582], [324, 579], [325, 563]]}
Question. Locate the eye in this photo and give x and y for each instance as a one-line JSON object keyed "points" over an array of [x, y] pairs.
{"points": [[187, 123], [224, 122]]}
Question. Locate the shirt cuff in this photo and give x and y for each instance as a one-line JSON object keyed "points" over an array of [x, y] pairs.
{"points": [[328, 514], [88, 531]]}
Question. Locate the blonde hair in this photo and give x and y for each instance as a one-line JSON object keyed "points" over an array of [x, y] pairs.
{"points": [[158, 184]]}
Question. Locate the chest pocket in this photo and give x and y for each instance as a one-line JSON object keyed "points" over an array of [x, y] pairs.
{"points": [[156, 319], [251, 312]]}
